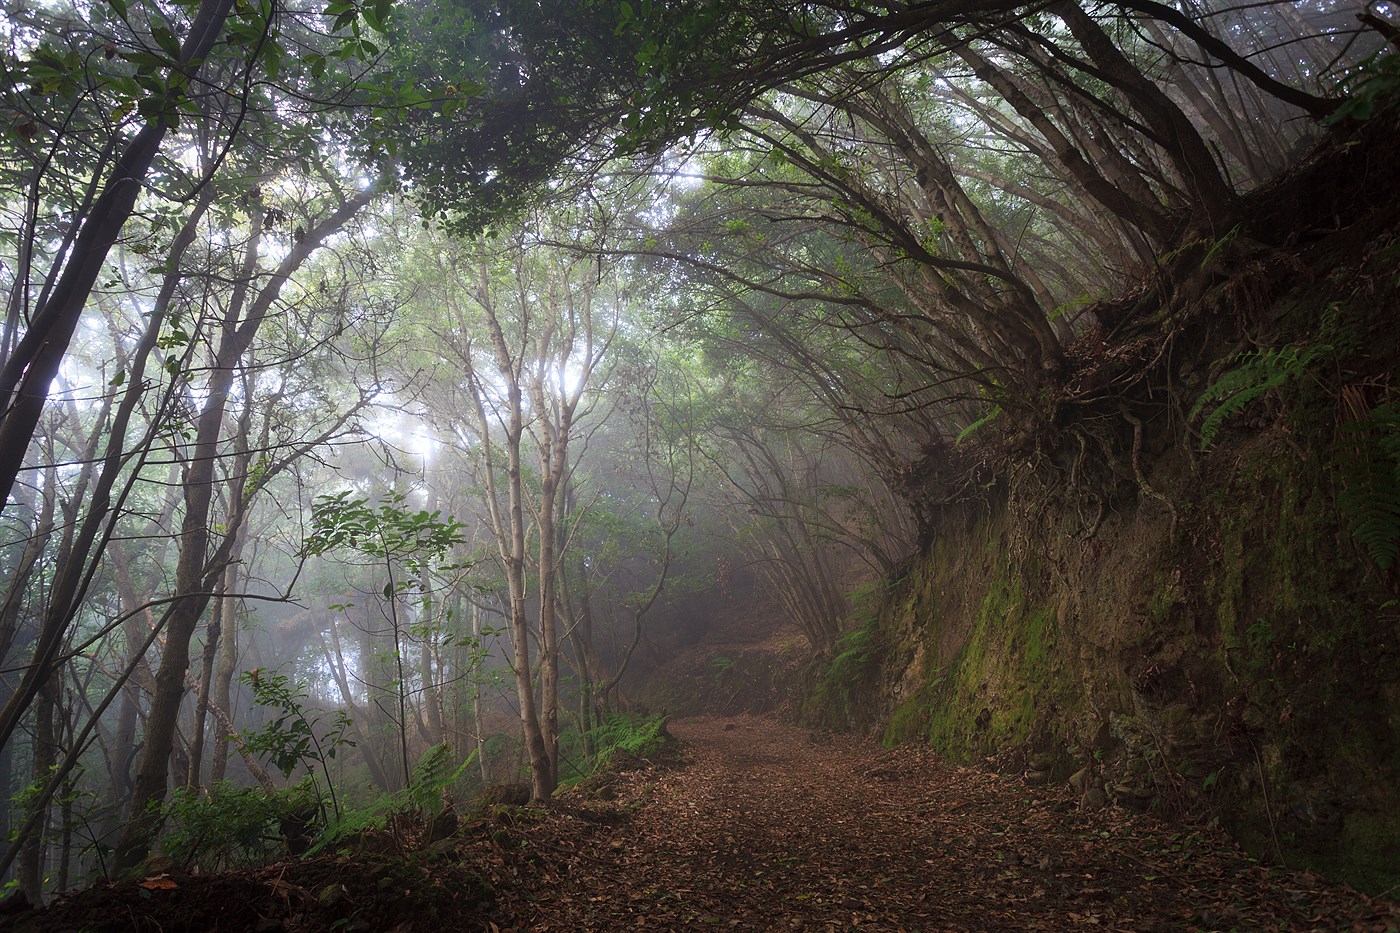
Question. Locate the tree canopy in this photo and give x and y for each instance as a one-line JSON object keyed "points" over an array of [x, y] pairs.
{"points": [[421, 365]]}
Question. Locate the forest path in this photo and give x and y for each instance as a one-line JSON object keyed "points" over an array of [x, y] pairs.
{"points": [[769, 828]]}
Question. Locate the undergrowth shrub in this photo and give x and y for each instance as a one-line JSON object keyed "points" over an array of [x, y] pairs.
{"points": [[435, 772], [635, 734], [231, 827], [836, 698], [1369, 500], [240, 827]]}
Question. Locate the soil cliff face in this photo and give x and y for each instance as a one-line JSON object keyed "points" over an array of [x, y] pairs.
{"points": [[1183, 598], [1235, 667]]}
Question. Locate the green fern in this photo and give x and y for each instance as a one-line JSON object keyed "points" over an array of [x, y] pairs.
{"points": [[1256, 373], [1370, 495], [978, 425], [354, 822], [435, 770], [422, 797]]}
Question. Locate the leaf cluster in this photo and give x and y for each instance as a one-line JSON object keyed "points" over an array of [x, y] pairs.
{"points": [[226, 827], [387, 531], [1255, 373], [291, 739], [1370, 469]]}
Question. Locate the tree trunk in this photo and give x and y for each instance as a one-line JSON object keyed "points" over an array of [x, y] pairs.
{"points": [[212, 637], [197, 570], [32, 366], [1211, 198], [223, 691], [479, 724], [35, 850]]}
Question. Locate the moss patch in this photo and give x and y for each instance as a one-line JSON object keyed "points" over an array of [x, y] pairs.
{"points": [[989, 691]]}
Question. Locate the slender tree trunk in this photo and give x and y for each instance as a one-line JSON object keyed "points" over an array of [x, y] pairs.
{"points": [[223, 688], [212, 637], [72, 576], [227, 728], [7, 790], [335, 656], [35, 850], [197, 570], [510, 541], [478, 721], [32, 366], [65, 859]]}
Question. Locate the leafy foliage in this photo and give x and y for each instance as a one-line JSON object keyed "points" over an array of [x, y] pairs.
{"points": [[839, 684], [978, 425], [721, 665], [231, 827], [1255, 373], [292, 740], [432, 774], [634, 734], [1370, 497], [386, 531]]}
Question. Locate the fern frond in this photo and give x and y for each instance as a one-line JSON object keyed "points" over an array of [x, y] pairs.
{"points": [[1370, 496], [978, 425], [1256, 373], [435, 770]]}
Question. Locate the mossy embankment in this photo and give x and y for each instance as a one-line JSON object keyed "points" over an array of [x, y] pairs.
{"points": [[1183, 592]]}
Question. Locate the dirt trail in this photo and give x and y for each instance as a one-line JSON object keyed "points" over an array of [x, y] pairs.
{"points": [[768, 828], [763, 828]]}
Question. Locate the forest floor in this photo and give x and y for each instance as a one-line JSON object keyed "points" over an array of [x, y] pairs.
{"points": [[762, 826], [767, 828]]}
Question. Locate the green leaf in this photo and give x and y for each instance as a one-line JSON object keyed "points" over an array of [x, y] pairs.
{"points": [[167, 41]]}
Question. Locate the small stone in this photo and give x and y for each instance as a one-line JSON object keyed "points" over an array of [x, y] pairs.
{"points": [[157, 863], [1094, 799], [1132, 797], [440, 848], [443, 825], [1079, 780]]}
